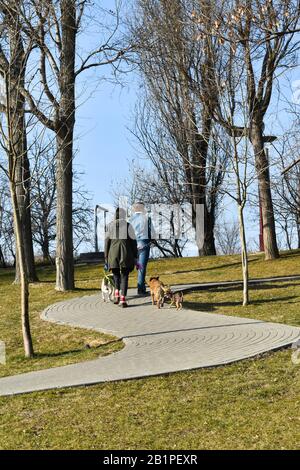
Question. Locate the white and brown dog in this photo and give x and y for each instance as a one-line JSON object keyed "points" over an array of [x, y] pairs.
{"points": [[108, 288]]}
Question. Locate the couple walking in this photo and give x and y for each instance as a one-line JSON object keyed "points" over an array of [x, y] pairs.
{"points": [[127, 245]]}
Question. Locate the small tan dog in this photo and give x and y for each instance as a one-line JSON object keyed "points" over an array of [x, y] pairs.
{"points": [[157, 291], [176, 299]]}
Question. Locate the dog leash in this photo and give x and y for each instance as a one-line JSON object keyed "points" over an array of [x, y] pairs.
{"points": [[109, 278]]}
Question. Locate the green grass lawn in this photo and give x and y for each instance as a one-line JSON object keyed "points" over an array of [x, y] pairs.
{"points": [[252, 404]]}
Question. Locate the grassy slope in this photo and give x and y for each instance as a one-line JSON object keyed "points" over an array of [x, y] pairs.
{"points": [[251, 404], [223, 268]]}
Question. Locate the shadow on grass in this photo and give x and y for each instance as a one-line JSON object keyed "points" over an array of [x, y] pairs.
{"points": [[212, 268], [76, 289], [76, 351], [211, 307], [252, 287], [289, 254], [43, 281], [87, 289], [38, 355]]}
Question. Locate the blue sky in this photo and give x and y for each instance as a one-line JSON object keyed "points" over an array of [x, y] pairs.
{"points": [[102, 119], [103, 138]]}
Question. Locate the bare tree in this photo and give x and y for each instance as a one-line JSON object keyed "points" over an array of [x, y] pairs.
{"points": [[13, 143], [53, 27], [6, 227], [287, 187], [44, 200], [177, 68], [227, 236], [13, 57], [241, 198], [233, 105], [262, 35], [48, 29], [7, 239]]}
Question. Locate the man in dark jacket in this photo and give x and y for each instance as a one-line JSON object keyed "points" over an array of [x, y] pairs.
{"points": [[120, 254]]}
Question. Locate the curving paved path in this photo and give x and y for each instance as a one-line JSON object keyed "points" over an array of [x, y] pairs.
{"points": [[156, 342]]}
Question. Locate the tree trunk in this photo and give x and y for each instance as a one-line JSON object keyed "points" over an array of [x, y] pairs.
{"points": [[241, 201], [287, 235], [263, 174], [298, 232], [27, 339], [244, 257], [64, 173], [22, 168], [209, 247], [26, 218], [198, 185], [2, 259], [23, 195], [64, 229], [13, 106], [298, 212], [17, 279], [46, 247]]}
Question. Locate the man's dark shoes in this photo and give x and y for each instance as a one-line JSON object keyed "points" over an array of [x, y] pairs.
{"points": [[141, 292]]}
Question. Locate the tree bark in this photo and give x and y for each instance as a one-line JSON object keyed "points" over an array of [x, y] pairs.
{"points": [[15, 155], [244, 257], [26, 332], [46, 246], [209, 246], [26, 217], [198, 184], [2, 259], [263, 174], [298, 212], [64, 229], [23, 195], [64, 172], [22, 167]]}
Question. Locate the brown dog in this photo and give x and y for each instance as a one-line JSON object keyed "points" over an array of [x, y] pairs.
{"points": [[157, 291], [176, 298]]}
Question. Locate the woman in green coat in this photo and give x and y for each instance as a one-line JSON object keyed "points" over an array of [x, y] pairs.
{"points": [[120, 254]]}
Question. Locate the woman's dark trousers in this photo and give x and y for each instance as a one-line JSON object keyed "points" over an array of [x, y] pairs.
{"points": [[121, 280]]}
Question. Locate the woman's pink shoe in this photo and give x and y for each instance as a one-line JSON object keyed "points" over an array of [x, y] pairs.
{"points": [[123, 303], [117, 298]]}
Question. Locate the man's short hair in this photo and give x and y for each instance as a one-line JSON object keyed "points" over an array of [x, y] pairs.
{"points": [[138, 207]]}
